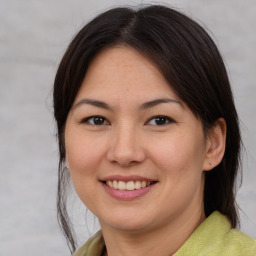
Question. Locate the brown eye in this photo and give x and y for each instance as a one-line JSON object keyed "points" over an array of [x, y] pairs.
{"points": [[160, 120], [95, 120]]}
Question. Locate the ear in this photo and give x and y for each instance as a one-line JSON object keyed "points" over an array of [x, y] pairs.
{"points": [[215, 144]]}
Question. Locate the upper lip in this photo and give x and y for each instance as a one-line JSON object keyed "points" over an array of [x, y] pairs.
{"points": [[127, 178]]}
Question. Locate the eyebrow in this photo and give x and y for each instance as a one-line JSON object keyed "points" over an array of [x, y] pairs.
{"points": [[156, 102], [146, 105], [96, 103]]}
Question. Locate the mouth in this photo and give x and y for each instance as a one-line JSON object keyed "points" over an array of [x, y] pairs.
{"points": [[129, 185]]}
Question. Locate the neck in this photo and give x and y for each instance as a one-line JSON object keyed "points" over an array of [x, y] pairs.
{"points": [[164, 241]]}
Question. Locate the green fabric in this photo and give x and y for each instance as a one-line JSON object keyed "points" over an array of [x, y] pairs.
{"points": [[213, 237], [95, 246]]}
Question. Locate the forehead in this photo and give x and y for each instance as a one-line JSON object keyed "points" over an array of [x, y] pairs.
{"points": [[121, 69]]}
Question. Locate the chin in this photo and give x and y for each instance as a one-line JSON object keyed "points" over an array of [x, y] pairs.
{"points": [[130, 227], [128, 223]]}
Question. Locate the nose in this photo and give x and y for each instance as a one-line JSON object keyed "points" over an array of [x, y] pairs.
{"points": [[126, 147]]}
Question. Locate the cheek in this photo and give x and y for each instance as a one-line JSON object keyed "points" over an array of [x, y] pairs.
{"points": [[83, 153], [179, 154], [179, 161]]}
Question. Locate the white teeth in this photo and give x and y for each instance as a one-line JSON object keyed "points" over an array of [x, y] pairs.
{"points": [[115, 184], [130, 185], [110, 183], [121, 185], [137, 184]]}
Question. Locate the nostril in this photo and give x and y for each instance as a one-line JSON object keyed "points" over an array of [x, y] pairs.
{"points": [[125, 148], [126, 157], [125, 163]]}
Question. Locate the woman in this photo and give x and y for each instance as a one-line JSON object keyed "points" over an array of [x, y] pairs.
{"points": [[149, 134]]}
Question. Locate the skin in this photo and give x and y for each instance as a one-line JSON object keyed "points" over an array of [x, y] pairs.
{"points": [[129, 141]]}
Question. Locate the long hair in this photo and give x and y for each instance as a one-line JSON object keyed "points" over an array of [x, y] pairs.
{"points": [[190, 62]]}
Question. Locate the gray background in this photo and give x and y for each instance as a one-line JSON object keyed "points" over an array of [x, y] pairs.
{"points": [[33, 37]]}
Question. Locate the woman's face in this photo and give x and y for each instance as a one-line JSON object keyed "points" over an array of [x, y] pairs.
{"points": [[135, 151]]}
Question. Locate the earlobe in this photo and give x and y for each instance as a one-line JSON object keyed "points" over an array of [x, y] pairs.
{"points": [[67, 161], [215, 145]]}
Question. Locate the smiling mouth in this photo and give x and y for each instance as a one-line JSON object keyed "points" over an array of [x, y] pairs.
{"points": [[129, 186]]}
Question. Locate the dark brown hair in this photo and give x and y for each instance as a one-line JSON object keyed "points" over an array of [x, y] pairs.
{"points": [[190, 62]]}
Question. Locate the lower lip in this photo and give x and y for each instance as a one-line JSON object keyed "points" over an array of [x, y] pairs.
{"points": [[128, 194]]}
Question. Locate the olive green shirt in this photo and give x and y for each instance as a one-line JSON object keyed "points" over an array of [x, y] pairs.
{"points": [[213, 237]]}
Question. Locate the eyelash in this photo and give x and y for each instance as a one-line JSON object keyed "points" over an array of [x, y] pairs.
{"points": [[104, 121], [87, 119], [167, 119]]}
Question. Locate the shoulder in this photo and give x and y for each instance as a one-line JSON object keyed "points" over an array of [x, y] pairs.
{"points": [[239, 243], [93, 247], [216, 237]]}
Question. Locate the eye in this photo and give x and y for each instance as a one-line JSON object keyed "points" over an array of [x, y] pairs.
{"points": [[160, 120], [95, 120]]}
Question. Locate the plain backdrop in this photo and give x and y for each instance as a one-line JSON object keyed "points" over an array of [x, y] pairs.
{"points": [[33, 37]]}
